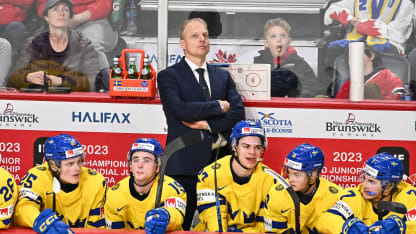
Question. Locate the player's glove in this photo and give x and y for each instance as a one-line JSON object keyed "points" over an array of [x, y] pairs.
{"points": [[341, 17], [233, 229], [391, 225], [157, 221], [48, 222], [368, 28], [354, 226]]}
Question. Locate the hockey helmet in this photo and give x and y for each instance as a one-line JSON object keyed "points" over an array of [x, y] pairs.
{"points": [[305, 157], [148, 145], [248, 128], [385, 167], [61, 147]]}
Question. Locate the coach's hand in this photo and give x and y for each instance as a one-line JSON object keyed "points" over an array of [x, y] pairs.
{"points": [[48, 222], [157, 221]]}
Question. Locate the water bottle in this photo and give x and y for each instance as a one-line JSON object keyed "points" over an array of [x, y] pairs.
{"points": [[131, 28], [117, 11], [132, 71], [407, 95], [146, 73]]}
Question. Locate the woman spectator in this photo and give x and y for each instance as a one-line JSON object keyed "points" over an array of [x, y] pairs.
{"points": [[59, 57]]}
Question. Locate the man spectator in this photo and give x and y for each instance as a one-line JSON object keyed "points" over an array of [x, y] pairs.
{"points": [[196, 95]]}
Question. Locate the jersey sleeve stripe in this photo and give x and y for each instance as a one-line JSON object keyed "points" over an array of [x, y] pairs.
{"points": [[99, 223]]}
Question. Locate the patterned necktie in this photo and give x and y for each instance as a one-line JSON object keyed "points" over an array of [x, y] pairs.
{"points": [[202, 83]]}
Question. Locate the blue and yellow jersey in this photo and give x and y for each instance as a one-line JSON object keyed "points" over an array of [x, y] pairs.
{"points": [[280, 210], [8, 198], [353, 204], [241, 206], [83, 207], [122, 210]]}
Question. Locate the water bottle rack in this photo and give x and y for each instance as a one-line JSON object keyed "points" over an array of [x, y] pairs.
{"points": [[133, 87]]}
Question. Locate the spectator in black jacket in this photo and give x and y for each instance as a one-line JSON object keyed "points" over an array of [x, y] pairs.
{"points": [[291, 74]]}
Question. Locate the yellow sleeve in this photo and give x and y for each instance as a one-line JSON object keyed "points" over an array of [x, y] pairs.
{"points": [[278, 209], [206, 203], [98, 184], [174, 200], [344, 209], [31, 196], [113, 218], [8, 198]]}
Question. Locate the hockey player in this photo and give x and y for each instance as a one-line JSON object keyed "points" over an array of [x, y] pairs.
{"points": [[131, 202], [356, 212], [8, 198], [303, 166], [61, 193], [242, 184]]}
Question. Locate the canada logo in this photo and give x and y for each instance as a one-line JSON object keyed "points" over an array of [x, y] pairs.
{"points": [[223, 58]]}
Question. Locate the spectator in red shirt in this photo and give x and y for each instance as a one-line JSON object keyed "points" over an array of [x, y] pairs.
{"points": [[379, 82], [12, 15]]}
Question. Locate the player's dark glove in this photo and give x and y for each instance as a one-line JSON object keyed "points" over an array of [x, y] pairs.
{"points": [[233, 229], [49, 223], [391, 225], [157, 221], [354, 226]]}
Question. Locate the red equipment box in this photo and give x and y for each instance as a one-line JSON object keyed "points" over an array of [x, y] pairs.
{"points": [[133, 87]]}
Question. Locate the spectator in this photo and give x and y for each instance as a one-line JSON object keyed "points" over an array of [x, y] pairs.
{"points": [[379, 82], [5, 60], [8, 189], [90, 17], [211, 104], [357, 211], [412, 54], [61, 193], [242, 183], [62, 56], [384, 25], [13, 13], [303, 165], [130, 203], [290, 68]]}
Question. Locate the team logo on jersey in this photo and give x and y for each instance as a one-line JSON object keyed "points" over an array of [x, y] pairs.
{"points": [[216, 166], [176, 202], [332, 189], [41, 168], [92, 172], [115, 187], [279, 187], [411, 215]]}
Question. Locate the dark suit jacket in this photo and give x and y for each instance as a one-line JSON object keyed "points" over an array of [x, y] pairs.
{"points": [[182, 99]]}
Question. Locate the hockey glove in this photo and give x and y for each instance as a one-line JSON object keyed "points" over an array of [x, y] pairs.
{"points": [[341, 17], [368, 28], [354, 226], [234, 229], [391, 225], [157, 221], [48, 222]]}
